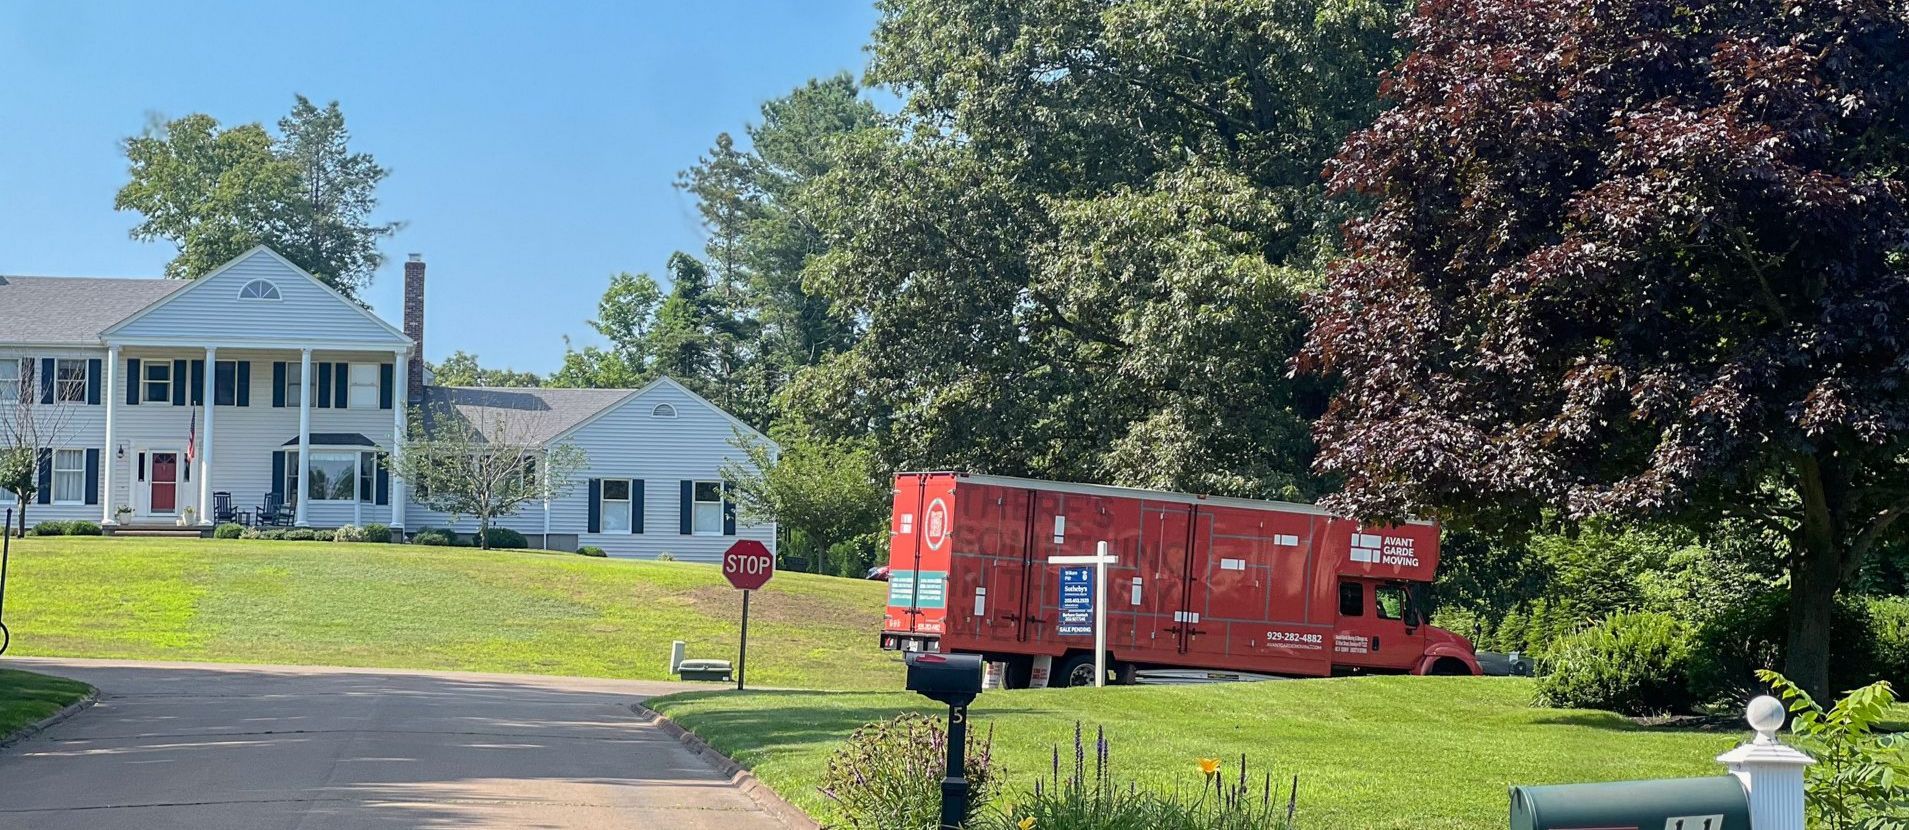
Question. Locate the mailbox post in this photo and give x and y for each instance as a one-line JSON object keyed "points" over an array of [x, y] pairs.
{"points": [[954, 679]]}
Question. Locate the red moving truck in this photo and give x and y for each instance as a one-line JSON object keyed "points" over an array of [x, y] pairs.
{"points": [[1202, 582]]}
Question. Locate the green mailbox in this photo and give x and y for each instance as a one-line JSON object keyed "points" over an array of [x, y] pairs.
{"points": [[1673, 804]]}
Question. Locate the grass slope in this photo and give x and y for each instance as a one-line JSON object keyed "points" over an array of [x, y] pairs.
{"points": [[26, 697], [1425, 753], [320, 603]]}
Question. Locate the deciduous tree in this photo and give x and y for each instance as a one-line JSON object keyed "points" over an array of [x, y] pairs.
{"points": [[1635, 259], [484, 461]]}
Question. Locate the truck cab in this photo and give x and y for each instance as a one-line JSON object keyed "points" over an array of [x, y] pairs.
{"points": [[1383, 626]]}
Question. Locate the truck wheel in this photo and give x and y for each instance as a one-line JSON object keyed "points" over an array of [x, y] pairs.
{"points": [[1020, 671], [1076, 670]]}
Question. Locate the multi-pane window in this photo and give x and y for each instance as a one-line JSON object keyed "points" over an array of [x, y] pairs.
{"points": [[334, 476], [258, 290], [70, 380], [294, 388], [364, 386], [616, 505], [69, 476], [708, 512], [158, 382], [11, 379], [225, 383]]}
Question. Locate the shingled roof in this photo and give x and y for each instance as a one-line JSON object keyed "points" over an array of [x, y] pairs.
{"points": [[72, 310], [532, 416]]}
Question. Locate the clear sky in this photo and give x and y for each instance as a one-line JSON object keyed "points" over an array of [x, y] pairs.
{"points": [[532, 146]]}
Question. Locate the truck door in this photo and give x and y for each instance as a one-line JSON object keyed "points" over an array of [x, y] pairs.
{"points": [[1378, 626], [1162, 570]]}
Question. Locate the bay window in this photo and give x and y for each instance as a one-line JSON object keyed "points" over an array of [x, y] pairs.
{"points": [[334, 476]]}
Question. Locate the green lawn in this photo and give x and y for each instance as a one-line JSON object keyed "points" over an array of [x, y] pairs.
{"points": [[26, 697], [1424, 753], [323, 603]]}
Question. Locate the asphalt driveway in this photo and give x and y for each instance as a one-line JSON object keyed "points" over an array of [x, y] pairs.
{"points": [[253, 748]]}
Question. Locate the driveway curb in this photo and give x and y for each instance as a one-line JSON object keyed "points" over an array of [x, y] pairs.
{"points": [[91, 697], [740, 776]]}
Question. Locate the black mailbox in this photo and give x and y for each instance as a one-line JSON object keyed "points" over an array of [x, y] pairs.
{"points": [[1717, 803], [953, 679]]}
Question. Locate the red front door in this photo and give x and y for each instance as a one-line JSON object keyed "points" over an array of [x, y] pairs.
{"points": [[165, 482]]}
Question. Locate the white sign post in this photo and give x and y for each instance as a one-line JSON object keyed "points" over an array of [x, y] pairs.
{"points": [[1103, 556]]}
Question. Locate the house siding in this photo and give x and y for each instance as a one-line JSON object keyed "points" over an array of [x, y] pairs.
{"points": [[629, 442], [210, 311], [72, 426]]}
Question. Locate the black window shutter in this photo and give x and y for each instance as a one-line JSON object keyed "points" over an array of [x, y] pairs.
{"points": [[341, 377], [636, 506], [384, 480], [93, 381], [244, 390], [387, 374], [198, 383], [278, 384], [133, 379], [686, 510], [595, 524], [92, 476], [324, 386], [45, 496], [46, 380], [278, 475], [729, 513], [178, 383]]}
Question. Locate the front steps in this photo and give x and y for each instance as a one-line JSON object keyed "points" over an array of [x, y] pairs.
{"points": [[157, 531]]}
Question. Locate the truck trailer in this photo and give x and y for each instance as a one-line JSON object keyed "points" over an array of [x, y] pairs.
{"points": [[1199, 582]]}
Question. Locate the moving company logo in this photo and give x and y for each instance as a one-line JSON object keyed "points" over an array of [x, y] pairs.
{"points": [[1377, 549], [934, 525]]}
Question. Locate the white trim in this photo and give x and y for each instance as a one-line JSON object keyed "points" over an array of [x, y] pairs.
{"points": [[277, 295], [290, 344], [629, 507], [694, 503], [201, 281]]}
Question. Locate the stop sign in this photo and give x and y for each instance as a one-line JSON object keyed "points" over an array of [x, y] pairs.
{"points": [[748, 564]]}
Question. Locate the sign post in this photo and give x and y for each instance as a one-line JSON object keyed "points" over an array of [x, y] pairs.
{"points": [[1077, 606], [747, 565]]}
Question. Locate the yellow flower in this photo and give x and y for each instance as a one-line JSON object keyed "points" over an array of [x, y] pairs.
{"points": [[1209, 766], [1026, 823]]}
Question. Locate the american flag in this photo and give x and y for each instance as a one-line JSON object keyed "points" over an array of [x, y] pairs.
{"points": [[192, 436]]}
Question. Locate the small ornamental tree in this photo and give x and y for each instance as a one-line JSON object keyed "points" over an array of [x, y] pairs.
{"points": [[483, 462], [1636, 259]]}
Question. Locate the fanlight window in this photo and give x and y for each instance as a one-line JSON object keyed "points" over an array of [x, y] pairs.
{"points": [[663, 410], [259, 290]]}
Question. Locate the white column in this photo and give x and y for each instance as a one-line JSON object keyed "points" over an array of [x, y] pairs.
{"points": [[400, 378], [304, 436], [208, 390], [1771, 773], [108, 455]]}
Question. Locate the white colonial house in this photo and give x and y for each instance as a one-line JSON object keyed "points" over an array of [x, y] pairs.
{"points": [[257, 390]]}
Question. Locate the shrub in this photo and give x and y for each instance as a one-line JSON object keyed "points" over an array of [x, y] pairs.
{"points": [[1630, 663], [78, 528], [1860, 778], [591, 550], [1729, 649], [504, 537], [50, 529], [250, 533], [272, 534], [228, 530], [348, 533], [299, 534], [433, 537], [377, 533], [887, 775], [666, 556], [323, 535], [1888, 625]]}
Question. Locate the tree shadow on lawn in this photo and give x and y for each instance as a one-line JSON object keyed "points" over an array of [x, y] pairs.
{"points": [[1613, 722]]}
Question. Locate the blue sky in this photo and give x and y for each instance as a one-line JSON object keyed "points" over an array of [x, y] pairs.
{"points": [[532, 147]]}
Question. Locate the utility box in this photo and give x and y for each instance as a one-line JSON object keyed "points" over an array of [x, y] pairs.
{"points": [[954, 679], [1717, 803], [703, 670]]}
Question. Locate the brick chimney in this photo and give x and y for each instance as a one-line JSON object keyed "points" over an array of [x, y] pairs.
{"points": [[414, 325]]}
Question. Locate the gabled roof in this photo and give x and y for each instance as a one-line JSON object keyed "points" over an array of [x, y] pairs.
{"points": [[208, 278], [534, 415], [665, 380], [73, 310]]}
